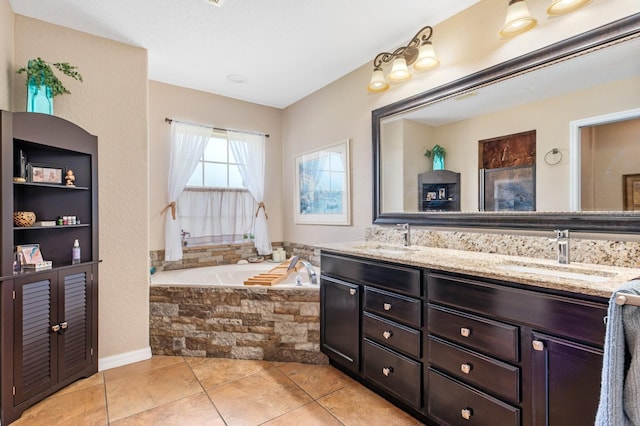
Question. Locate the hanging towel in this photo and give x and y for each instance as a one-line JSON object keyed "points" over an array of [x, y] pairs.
{"points": [[620, 391]]}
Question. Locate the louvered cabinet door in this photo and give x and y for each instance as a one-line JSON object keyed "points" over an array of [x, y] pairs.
{"points": [[35, 338], [75, 307]]}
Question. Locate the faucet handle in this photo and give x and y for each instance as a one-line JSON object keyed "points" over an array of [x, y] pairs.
{"points": [[561, 233]]}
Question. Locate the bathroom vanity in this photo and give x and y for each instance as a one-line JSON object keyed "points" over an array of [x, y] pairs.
{"points": [[452, 346]]}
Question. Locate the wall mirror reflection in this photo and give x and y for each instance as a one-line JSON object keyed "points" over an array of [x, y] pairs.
{"points": [[583, 108]]}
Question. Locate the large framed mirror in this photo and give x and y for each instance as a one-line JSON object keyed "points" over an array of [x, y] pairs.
{"points": [[568, 94]]}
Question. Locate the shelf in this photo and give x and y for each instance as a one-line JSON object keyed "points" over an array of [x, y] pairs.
{"points": [[23, 228], [52, 185]]}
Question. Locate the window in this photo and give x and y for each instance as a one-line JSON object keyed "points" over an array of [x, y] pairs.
{"points": [[217, 168]]}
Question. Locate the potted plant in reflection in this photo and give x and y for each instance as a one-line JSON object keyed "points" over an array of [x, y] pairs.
{"points": [[43, 85], [438, 153]]}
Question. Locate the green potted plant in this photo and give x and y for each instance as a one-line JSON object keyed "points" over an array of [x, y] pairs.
{"points": [[43, 85], [438, 153]]}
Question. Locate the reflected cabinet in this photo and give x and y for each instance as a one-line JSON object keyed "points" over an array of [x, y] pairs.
{"points": [[49, 315]]}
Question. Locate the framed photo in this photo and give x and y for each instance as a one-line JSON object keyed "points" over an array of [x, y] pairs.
{"points": [[322, 186], [631, 192], [45, 173], [431, 196], [508, 189], [442, 193], [30, 253]]}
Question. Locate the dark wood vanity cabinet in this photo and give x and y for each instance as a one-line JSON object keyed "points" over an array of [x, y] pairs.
{"points": [[454, 349], [48, 318], [385, 330], [533, 357]]}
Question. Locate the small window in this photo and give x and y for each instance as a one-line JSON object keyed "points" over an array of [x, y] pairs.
{"points": [[218, 167]]}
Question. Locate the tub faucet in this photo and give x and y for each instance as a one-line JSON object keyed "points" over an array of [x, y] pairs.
{"points": [[406, 232], [183, 236], [313, 278], [562, 245]]}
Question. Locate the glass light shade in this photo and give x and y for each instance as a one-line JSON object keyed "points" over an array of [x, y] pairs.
{"points": [[399, 71], [378, 83], [518, 20], [560, 7], [426, 58]]}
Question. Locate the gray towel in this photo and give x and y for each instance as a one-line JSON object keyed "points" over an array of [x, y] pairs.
{"points": [[619, 395]]}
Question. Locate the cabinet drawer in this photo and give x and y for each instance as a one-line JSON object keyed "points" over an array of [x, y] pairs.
{"points": [[395, 306], [563, 315], [396, 278], [452, 402], [496, 377], [397, 374], [392, 334], [488, 336]]}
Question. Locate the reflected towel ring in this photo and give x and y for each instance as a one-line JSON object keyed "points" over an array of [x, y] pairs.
{"points": [[554, 151]]}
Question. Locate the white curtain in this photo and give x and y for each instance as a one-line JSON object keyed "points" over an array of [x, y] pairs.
{"points": [[249, 150], [224, 215], [188, 142]]}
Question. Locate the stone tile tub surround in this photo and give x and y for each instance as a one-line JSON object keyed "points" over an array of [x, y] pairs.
{"points": [[259, 323], [227, 254], [583, 249]]}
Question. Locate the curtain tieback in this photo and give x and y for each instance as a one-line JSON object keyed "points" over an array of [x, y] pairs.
{"points": [[172, 206], [261, 206]]}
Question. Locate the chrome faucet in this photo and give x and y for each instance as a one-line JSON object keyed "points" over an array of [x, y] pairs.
{"points": [[406, 232], [562, 245], [313, 278], [183, 236]]}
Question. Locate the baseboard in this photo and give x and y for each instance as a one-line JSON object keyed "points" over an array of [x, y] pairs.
{"points": [[124, 359]]}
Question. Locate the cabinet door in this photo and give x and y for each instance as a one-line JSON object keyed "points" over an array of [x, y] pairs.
{"points": [[340, 322], [566, 381], [35, 349], [74, 343]]}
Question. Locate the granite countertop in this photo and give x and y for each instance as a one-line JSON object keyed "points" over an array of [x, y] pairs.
{"points": [[581, 278]]}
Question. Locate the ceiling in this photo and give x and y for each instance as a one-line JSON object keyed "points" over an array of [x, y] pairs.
{"points": [[285, 49]]}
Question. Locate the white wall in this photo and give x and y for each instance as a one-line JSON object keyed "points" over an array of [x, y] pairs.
{"points": [[6, 54]]}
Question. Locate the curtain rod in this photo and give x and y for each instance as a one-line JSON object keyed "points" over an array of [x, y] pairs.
{"points": [[169, 120]]}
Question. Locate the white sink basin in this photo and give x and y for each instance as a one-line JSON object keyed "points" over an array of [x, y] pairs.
{"points": [[595, 277]]}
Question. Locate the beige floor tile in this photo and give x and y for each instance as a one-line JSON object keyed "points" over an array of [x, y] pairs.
{"points": [[128, 395], [142, 367], [312, 414], [84, 407], [316, 380], [215, 371], [356, 405], [258, 398], [96, 379], [194, 410]]}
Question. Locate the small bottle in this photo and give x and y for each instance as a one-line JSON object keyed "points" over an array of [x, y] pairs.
{"points": [[75, 252]]}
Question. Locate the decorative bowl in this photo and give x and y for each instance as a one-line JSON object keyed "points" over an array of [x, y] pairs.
{"points": [[24, 219]]}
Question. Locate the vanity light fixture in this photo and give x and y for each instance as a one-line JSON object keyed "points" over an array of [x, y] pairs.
{"points": [[560, 7], [418, 52], [518, 19]]}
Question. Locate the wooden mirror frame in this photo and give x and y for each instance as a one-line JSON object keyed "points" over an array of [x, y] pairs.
{"points": [[601, 222]]}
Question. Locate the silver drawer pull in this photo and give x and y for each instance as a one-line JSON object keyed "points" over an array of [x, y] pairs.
{"points": [[387, 306], [465, 368], [387, 371], [466, 413], [352, 291], [537, 345], [55, 328], [387, 334], [465, 332]]}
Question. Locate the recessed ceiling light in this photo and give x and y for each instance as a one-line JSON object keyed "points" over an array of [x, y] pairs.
{"points": [[215, 2], [237, 78]]}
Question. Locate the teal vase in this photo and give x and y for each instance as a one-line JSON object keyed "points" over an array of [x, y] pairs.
{"points": [[39, 99], [438, 162]]}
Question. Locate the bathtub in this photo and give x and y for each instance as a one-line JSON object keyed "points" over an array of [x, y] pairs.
{"points": [[229, 276], [208, 312]]}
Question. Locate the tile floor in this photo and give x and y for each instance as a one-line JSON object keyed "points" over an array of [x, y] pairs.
{"points": [[212, 391]]}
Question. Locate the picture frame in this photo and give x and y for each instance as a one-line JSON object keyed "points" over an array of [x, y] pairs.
{"points": [[45, 173], [322, 194], [442, 193], [631, 192], [31, 253], [508, 189]]}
